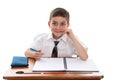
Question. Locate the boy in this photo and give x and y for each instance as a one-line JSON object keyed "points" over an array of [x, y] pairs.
{"points": [[68, 44]]}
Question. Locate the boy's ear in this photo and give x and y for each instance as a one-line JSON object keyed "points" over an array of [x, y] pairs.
{"points": [[49, 23]]}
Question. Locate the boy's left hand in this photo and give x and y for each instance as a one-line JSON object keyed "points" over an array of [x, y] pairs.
{"points": [[69, 33]]}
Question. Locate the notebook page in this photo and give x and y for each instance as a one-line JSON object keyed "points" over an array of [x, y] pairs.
{"points": [[49, 64], [75, 64]]}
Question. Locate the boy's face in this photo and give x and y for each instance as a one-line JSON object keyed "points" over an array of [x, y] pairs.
{"points": [[58, 26]]}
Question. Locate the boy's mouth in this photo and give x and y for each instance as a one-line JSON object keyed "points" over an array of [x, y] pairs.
{"points": [[59, 31]]}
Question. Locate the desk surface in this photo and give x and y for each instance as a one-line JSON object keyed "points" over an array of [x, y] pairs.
{"points": [[29, 75]]}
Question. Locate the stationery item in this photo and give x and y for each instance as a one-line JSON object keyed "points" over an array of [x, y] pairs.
{"points": [[65, 64], [34, 50], [19, 61]]}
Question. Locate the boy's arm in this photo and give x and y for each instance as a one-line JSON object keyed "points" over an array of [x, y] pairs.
{"points": [[82, 52]]}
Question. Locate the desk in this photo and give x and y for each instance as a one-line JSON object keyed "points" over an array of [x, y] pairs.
{"points": [[29, 75]]}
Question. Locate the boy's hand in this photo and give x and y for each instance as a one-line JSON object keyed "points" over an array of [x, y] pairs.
{"points": [[69, 33], [37, 55]]}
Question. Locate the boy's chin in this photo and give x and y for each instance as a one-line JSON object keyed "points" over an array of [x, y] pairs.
{"points": [[59, 35]]}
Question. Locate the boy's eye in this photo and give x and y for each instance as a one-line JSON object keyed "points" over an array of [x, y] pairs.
{"points": [[62, 24], [54, 23]]}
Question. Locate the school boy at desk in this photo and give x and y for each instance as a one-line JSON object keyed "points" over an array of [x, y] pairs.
{"points": [[61, 42]]}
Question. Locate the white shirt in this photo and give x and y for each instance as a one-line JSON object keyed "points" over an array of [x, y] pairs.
{"points": [[45, 42]]}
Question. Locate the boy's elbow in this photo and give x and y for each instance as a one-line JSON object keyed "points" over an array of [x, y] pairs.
{"points": [[84, 58]]}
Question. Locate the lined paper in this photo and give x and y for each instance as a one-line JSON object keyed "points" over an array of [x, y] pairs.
{"points": [[57, 64]]}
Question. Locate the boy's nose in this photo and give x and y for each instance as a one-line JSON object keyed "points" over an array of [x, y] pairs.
{"points": [[58, 27]]}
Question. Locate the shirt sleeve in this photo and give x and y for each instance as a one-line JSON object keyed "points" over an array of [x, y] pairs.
{"points": [[37, 41]]}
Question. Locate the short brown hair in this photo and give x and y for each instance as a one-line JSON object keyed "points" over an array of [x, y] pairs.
{"points": [[60, 12]]}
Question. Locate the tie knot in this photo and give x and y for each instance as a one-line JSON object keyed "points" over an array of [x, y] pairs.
{"points": [[56, 42]]}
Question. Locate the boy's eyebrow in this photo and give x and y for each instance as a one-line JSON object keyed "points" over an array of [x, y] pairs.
{"points": [[54, 21]]}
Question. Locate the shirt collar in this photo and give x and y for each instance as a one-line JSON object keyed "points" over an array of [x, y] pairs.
{"points": [[49, 36], [64, 37]]}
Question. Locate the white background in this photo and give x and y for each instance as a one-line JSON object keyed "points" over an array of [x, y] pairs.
{"points": [[96, 22]]}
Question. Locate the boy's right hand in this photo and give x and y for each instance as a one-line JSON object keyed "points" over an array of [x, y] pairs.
{"points": [[37, 55]]}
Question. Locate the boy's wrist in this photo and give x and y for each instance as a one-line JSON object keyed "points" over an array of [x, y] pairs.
{"points": [[71, 36]]}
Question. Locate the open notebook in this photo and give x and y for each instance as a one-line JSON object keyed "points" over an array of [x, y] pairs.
{"points": [[65, 64]]}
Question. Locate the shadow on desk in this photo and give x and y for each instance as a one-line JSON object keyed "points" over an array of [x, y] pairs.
{"points": [[25, 73]]}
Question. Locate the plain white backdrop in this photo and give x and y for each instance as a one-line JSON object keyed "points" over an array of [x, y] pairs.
{"points": [[96, 22]]}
